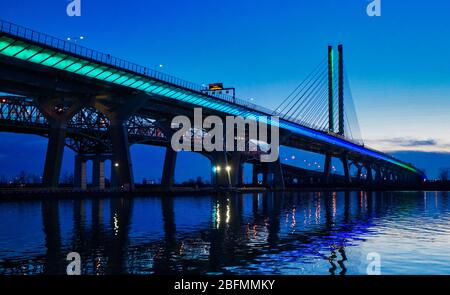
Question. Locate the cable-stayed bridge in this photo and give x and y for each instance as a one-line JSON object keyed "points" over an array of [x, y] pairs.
{"points": [[99, 105]]}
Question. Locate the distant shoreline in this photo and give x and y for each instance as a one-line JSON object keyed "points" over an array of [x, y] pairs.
{"points": [[36, 193]]}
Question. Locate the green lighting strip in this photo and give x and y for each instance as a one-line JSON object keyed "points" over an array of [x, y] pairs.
{"points": [[58, 60], [61, 61]]}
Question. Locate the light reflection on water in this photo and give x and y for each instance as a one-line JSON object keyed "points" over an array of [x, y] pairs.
{"points": [[270, 233]]}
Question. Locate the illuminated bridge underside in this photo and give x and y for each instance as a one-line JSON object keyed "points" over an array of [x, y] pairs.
{"points": [[88, 130], [57, 61]]}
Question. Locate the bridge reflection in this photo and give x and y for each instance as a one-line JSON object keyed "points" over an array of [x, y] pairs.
{"points": [[254, 233]]}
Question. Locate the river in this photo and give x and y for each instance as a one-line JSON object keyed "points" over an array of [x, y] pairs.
{"points": [[316, 233]]}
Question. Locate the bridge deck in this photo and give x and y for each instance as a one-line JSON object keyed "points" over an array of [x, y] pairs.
{"points": [[27, 45]]}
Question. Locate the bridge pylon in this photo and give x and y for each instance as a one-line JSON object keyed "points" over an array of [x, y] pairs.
{"points": [[168, 174], [58, 113], [341, 89], [227, 169], [345, 164], [118, 109], [98, 171], [330, 89], [327, 168]]}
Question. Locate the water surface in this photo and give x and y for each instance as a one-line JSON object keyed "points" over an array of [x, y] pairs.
{"points": [[292, 233]]}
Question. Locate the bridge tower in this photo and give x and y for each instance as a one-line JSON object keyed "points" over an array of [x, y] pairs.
{"points": [[330, 90], [328, 157], [341, 89]]}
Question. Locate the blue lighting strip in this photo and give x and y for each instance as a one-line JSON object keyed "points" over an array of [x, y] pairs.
{"points": [[343, 144], [60, 60]]}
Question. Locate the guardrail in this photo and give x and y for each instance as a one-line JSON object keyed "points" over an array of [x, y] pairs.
{"points": [[97, 56], [94, 55]]}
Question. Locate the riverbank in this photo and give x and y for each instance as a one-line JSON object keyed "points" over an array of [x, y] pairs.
{"points": [[36, 193]]}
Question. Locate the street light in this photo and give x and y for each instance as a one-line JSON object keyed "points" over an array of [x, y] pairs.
{"points": [[116, 164], [75, 39], [228, 169]]}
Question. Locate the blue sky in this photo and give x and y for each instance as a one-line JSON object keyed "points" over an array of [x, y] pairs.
{"points": [[397, 64]]}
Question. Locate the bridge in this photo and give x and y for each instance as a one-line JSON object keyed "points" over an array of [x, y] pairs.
{"points": [[98, 105]]}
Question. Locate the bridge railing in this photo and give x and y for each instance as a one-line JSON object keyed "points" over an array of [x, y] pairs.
{"points": [[97, 56], [94, 55]]}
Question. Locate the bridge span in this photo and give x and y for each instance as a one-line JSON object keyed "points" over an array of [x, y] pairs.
{"points": [[99, 105]]}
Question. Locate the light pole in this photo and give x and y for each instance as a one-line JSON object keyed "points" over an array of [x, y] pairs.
{"points": [[76, 39], [217, 169], [228, 169]]}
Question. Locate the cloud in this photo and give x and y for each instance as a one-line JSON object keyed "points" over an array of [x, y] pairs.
{"points": [[410, 142]]}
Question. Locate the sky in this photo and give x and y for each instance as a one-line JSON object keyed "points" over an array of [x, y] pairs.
{"points": [[397, 64]]}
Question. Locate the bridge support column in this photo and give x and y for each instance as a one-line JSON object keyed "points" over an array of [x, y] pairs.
{"points": [[391, 176], [386, 174], [400, 177], [266, 176], [369, 173], [382, 175], [235, 172], [397, 177], [276, 174], [407, 178], [378, 174], [80, 177], [119, 109], [122, 171], [237, 169], [54, 154], [227, 169], [348, 177], [98, 173], [327, 168], [58, 113], [168, 174], [359, 177], [255, 172], [411, 178], [241, 182], [222, 177]]}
